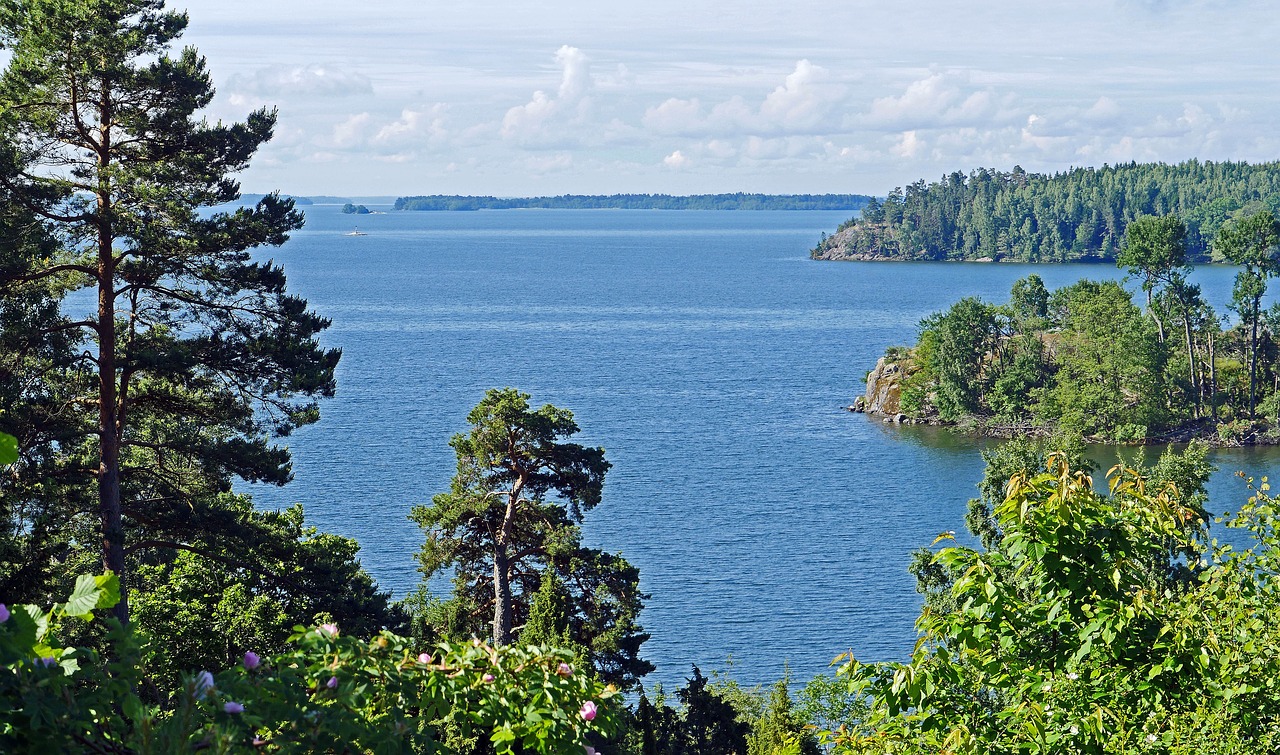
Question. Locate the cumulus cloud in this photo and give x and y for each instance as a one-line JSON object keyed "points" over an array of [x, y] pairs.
{"points": [[909, 145], [351, 131], [530, 120], [414, 128], [315, 79], [802, 104], [389, 138], [948, 98], [676, 160]]}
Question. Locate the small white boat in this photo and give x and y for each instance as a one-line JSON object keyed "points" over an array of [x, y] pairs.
{"points": [[357, 232]]}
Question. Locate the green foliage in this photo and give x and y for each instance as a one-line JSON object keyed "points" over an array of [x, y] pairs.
{"points": [[1080, 214], [1253, 243], [780, 730], [1082, 358], [324, 692], [204, 608], [1154, 247], [1110, 363], [8, 448], [964, 335], [510, 520], [1029, 302], [135, 417], [1099, 623], [706, 723]]}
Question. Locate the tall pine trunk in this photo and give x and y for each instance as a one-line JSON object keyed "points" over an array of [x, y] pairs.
{"points": [[1191, 358], [1253, 354], [501, 597], [109, 426]]}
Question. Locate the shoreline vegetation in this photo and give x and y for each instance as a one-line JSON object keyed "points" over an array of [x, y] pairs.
{"points": [[734, 201], [1080, 215], [1088, 361]]}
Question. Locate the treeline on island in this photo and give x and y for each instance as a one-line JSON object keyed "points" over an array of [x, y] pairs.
{"points": [[1077, 215], [1088, 359], [737, 201]]}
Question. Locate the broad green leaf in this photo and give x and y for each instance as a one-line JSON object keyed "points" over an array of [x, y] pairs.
{"points": [[8, 449], [92, 593]]}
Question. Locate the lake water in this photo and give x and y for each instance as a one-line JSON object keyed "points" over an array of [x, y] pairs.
{"points": [[710, 357]]}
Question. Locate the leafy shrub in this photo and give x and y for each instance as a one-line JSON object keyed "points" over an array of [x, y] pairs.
{"points": [[1098, 623], [326, 693]]}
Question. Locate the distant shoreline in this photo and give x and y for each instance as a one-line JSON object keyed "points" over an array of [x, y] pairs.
{"points": [[456, 203]]}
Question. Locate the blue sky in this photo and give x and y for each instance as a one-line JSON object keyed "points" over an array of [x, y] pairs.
{"points": [[569, 96]]}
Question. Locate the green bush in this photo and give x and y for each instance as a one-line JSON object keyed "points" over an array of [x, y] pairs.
{"points": [[1097, 623], [326, 693]]}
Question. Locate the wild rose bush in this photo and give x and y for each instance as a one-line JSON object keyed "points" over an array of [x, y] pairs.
{"points": [[326, 693]]}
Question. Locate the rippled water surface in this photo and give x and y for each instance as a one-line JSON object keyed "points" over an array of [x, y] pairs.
{"points": [[710, 357]]}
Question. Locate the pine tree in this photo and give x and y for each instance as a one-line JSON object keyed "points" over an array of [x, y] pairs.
{"points": [[194, 356], [510, 519]]}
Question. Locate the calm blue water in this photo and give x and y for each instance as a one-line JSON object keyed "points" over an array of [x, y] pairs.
{"points": [[710, 357]]}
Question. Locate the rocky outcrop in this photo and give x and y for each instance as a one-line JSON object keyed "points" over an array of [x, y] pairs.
{"points": [[884, 390]]}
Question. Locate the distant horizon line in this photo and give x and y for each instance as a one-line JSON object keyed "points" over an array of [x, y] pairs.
{"points": [[347, 197]]}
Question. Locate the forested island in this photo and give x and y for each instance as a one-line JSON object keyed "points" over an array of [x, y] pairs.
{"points": [[737, 201], [1089, 360], [1078, 215]]}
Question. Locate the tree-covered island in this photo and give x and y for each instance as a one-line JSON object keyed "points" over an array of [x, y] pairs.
{"points": [[1079, 215], [734, 201], [1089, 359]]}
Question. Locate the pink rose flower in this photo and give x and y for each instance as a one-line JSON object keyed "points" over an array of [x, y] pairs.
{"points": [[424, 659], [488, 677], [588, 711], [251, 660], [564, 669], [329, 629]]}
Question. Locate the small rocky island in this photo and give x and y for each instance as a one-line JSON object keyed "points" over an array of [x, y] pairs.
{"points": [[1088, 360]]}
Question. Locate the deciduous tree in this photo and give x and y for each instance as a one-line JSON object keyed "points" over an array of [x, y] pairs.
{"points": [[1253, 243]]}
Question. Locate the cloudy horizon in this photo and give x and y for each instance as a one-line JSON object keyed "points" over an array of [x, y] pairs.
{"points": [[686, 98]]}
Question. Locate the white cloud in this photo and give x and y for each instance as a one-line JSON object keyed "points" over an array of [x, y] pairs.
{"points": [[801, 104], [940, 99], [676, 160], [309, 80], [909, 145], [414, 128], [351, 131], [530, 120]]}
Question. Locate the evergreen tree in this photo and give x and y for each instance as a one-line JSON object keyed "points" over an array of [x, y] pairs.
{"points": [[711, 725], [780, 730], [194, 355], [510, 519]]}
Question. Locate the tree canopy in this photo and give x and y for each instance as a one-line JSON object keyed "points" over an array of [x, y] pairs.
{"points": [[1079, 214], [507, 531], [133, 418]]}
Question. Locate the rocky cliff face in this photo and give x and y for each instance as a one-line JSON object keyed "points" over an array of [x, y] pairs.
{"points": [[884, 391]]}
